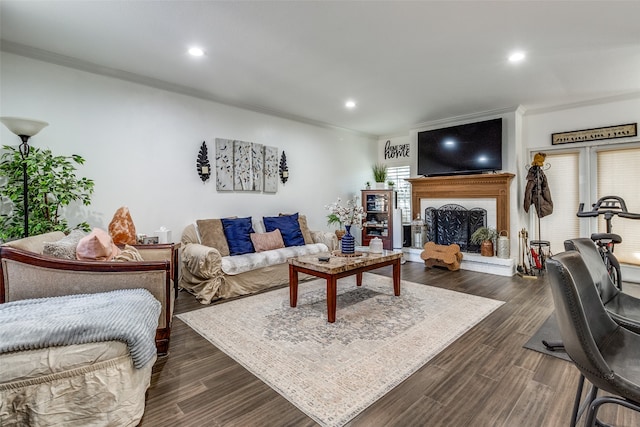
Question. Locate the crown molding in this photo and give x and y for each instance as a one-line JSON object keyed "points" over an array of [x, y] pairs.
{"points": [[466, 117], [90, 67], [586, 103]]}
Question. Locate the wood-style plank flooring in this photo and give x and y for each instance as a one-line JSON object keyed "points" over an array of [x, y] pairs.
{"points": [[485, 378]]}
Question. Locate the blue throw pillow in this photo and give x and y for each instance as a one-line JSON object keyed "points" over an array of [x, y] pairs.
{"points": [[238, 233], [289, 228]]}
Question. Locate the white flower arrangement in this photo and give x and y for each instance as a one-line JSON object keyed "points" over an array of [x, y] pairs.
{"points": [[351, 214]]}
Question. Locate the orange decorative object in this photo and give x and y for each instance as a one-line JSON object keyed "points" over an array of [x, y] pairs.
{"points": [[448, 256], [486, 248], [121, 227]]}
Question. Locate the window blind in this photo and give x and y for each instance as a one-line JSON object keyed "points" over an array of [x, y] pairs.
{"points": [[398, 174], [562, 224], [619, 175]]}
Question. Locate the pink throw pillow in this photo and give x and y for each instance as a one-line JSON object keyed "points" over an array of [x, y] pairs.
{"points": [[96, 246], [267, 241]]}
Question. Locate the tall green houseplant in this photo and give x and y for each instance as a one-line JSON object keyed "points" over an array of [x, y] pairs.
{"points": [[52, 184]]}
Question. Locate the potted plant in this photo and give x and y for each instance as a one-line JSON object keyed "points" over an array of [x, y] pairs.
{"points": [[484, 236], [53, 184], [391, 184], [350, 214], [379, 174], [367, 185]]}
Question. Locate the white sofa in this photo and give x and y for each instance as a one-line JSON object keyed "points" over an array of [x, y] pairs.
{"points": [[210, 272]]}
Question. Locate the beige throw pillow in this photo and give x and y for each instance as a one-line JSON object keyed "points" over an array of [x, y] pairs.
{"points": [[267, 241], [129, 253], [212, 235]]}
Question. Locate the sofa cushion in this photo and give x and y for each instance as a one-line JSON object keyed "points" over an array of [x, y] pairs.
{"points": [[304, 228], [64, 248], [238, 231], [242, 263], [97, 246], [289, 228], [267, 241], [211, 234]]}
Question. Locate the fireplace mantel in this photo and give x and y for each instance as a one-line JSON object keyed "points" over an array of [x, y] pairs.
{"points": [[464, 187]]}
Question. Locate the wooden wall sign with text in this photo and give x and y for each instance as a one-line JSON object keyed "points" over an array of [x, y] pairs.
{"points": [[609, 132]]}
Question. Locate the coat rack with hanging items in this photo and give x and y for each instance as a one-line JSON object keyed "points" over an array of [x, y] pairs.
{"points": [[536, 193]]}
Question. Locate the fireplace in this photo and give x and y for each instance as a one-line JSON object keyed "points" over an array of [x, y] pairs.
{"points": [[493, 186], [453, 223]]}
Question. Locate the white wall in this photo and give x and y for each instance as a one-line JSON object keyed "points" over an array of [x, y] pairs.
{"points": [[140, 145], [536, 136], [527, 132], [510, 153]]}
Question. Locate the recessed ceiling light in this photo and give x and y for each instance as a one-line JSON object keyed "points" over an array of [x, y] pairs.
{"points": [[196, 51], [516, 57], [350, 104]]}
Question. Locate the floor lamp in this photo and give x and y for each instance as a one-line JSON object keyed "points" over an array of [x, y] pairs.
{"points": [[25, 129]]}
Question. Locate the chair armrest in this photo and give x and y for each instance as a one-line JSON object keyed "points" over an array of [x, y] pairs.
{"points": [[201, 261], [329, 238]]}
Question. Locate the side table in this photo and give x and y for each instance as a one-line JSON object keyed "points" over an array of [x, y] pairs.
{"points": [[164, 252]]}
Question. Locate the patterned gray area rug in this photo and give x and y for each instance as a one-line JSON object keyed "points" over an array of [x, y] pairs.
{"points": [[332, 372]]}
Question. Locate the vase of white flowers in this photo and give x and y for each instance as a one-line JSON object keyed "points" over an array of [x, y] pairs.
{"points": [[348, 215]]}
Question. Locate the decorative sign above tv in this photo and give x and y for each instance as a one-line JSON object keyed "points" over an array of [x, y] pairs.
{"points": [[395, 151], [464, 149], [609, 132]]}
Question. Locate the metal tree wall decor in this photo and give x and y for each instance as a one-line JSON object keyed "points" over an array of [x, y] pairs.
{"points": [[284, 170], [202, 164]]}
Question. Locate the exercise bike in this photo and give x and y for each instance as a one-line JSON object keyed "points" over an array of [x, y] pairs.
{"points": [[608, 206]]}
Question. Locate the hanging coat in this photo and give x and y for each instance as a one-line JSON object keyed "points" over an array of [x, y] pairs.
{"points": [[537, 192]]}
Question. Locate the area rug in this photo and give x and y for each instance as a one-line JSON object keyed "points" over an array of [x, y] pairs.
{"points": [[550, 333], [332, 372]]}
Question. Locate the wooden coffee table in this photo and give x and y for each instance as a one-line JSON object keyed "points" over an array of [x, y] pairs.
{"points": [[338, 267]]}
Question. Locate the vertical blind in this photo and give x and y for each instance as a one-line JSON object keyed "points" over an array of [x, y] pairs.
{"points": [[619, 175], [562, 224], [398, 174]]}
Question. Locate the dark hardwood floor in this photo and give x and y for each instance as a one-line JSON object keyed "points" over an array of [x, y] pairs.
{"points": [[485, 378]]}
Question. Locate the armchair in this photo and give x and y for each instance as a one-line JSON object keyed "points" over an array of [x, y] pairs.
{"points": [[25, 273]]}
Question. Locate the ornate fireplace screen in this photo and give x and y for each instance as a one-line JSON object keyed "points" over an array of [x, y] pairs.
{"points": [[454, 224]]}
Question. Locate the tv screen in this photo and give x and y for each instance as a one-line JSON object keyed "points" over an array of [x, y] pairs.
{"points": [[469, 148]]}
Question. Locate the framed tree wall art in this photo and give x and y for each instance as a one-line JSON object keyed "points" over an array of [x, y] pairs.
{"points": [[257, 166], [242, 161], [270, 169], [246, 166], [224, 164]]}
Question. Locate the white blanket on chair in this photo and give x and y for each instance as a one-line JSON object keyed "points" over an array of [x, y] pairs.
{"points": [[128, 315]]}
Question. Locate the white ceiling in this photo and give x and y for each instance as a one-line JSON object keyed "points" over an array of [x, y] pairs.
{"points": [[404, 63]]}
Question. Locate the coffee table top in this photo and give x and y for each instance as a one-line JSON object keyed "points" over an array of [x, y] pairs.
{"points": [[339, 264]]}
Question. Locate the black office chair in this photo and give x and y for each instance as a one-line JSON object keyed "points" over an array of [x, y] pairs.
{"points": [[605, 353], [623, 308]]}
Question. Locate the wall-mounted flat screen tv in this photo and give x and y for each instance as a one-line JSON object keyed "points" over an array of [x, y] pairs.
{"points": [[464, 149]]}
